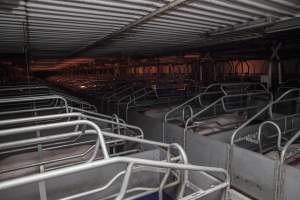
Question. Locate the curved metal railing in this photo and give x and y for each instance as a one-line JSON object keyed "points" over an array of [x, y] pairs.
{"points": [[120, 125], [130, 162], [259, 135], [99, 143]]}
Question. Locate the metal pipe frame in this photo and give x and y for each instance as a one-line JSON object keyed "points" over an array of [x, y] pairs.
{"points": [[130, 162], [206, 92], [279, 148], [117, 95], [286, 146], [35, 110], [102, 143], [43, 90], [132, 99], [88, 114], [253, 137], [51, 138], [40, 98], [110, 92], [222, 88], [148, 191], [81, 104], [67, 109], [285, 85], [223, 85], [119, 124], [45, 139], [213, 105], [185, 109], [267, 107], [41, 139], [267, 94], [282, 163], [33, 99], [92, 113]]}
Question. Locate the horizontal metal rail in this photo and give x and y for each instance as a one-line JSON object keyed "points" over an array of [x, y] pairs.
{"points": [[42, 90], [23, 88], [34, 99], [68, 116], [49, 97], [34, 110], [14, 131], [126, 160], [113, 121]]}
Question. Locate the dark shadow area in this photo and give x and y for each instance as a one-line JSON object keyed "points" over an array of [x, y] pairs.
{"points": [[9, 5]]}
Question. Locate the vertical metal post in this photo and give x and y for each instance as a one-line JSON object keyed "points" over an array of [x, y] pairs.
{"points": [[201, 72], [125, 182], [27, 47], [270, 74], [165, 178], [158, 70], [248, 67], [276, 57], [279, 72], [41, 184], [215, 71]]}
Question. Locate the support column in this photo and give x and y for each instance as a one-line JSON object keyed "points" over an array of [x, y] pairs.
{"points": [[200, 72], [279, 73], [215, 71], [208, 60], [275, 57], [270, 74]]}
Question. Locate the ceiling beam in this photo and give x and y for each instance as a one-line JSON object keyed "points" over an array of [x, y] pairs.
{"points": [[147, 17]]}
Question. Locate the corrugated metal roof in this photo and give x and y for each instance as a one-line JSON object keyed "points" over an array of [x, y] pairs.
{"points": [[100, 27]]}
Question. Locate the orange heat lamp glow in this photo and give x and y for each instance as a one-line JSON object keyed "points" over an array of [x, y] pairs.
{"points": [[54, 65]]}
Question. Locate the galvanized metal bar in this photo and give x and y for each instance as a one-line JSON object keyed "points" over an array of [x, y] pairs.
{"points": [[260, 133]]}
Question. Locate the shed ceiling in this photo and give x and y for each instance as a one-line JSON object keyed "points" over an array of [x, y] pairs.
{"points": [[63, 29]]}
